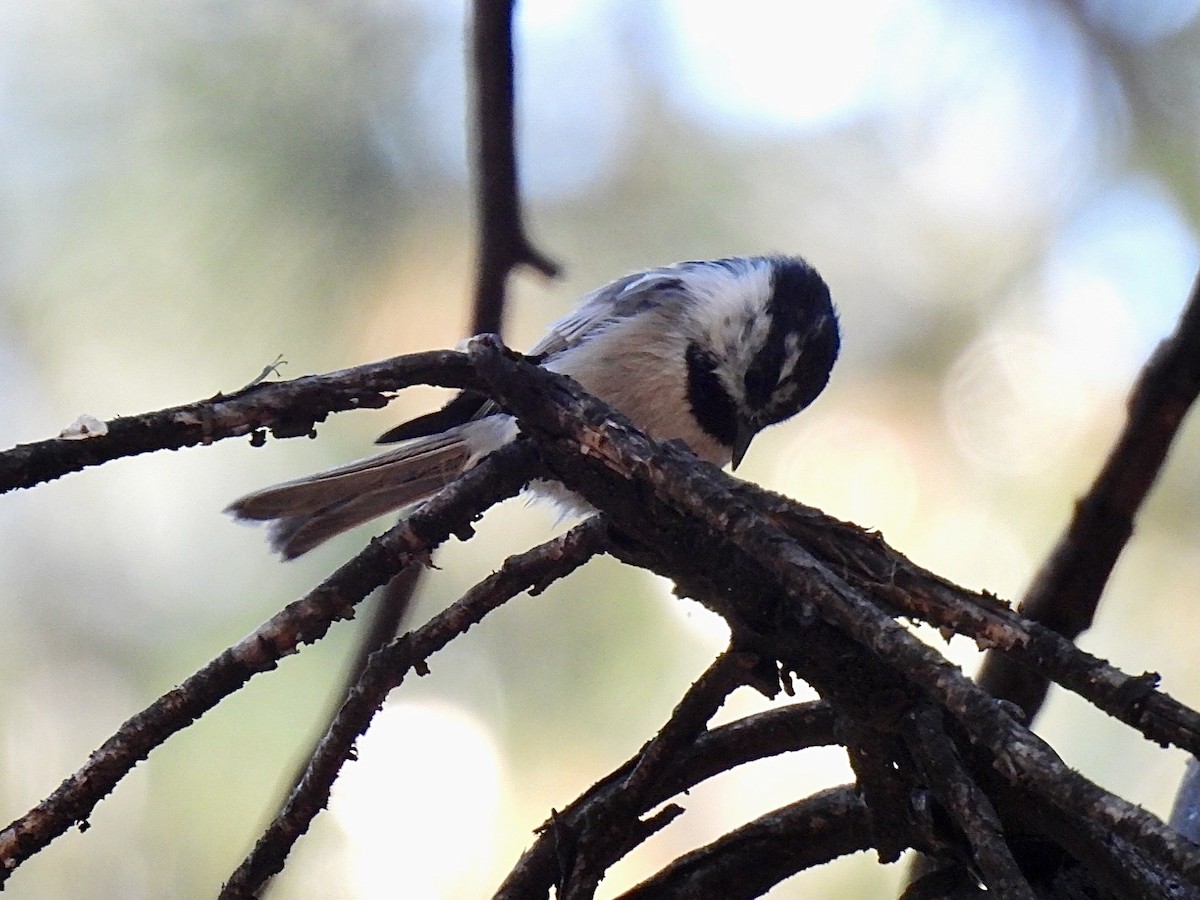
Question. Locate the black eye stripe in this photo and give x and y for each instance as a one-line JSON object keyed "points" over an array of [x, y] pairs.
{"points": [[764, 373]]}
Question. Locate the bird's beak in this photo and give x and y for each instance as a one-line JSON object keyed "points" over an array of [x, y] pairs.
{"points": [[745, 434]]}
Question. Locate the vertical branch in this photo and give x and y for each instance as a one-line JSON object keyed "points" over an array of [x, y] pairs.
{"points": [[503, 244], [969, 808]]}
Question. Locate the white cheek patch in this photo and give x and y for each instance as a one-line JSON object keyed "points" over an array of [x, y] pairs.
{"points": [[730, 296], [741, 346], [737, 340]]}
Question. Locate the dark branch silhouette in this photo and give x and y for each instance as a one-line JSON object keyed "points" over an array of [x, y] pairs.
{"points": [[751, 860], [617, 828], [283, 409], [531, 571], [1066, 591], [448, 513], [803, 594], [722, 749], [938, 762], [502, 247], [503, 243]]}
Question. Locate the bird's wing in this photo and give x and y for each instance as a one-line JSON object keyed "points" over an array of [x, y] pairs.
{"points": [[595, 313], [618, 300]]}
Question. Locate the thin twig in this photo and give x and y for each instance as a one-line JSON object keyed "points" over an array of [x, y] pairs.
{"points": [[968, 806], [1065, 593], [304, 621], [384, 619], [612, 832], [884, 788], [284, 408], [699, 704], [866, 561], [783, 730], [503, 243], [750, 860]]}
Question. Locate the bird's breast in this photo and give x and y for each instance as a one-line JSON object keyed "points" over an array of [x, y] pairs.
{"points": [[643, 376]]}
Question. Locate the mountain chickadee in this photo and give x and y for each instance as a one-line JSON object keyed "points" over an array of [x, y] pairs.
{"points": [[709, 353]]}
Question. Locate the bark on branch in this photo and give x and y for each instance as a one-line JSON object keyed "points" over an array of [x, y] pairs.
{"points": [[1066, 591], [803, 594]]}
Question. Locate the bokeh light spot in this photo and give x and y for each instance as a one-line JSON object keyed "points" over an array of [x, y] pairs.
{"points": [[1014, 402], [422, 801]]}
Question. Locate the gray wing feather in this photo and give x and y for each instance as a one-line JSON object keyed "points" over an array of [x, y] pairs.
{"points": [[618, 300]]}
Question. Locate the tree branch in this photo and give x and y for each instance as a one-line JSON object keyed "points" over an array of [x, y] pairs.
{"points": [[533, 570], [882, 784], [449, 512], [284, 408], [614, 830], [503, 244], [749, 861], [783, 730], [968, 806], [775, 593], [1065, 593], [894, 581]]}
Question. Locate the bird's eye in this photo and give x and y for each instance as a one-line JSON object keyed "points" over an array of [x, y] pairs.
{"points": [[762, 377]]}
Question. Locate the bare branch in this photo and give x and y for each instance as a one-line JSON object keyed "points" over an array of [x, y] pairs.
{"points": [[749, 861], [687, 721], [533, 570], [449, 512], [870, 565], [643, 486], [284, 408], [969, 807], [1065, 593], [503, 244], [565, 420], [614, 830], [885, 789], [783, 730]]}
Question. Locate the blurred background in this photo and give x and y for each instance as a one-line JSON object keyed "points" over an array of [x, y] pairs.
{"points": [[1003, 196]]}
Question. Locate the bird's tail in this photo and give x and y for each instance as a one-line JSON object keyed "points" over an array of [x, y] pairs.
{"points": [[308, 511]]}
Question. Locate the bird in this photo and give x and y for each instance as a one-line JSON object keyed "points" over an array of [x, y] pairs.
{"points": [[707, 352]]}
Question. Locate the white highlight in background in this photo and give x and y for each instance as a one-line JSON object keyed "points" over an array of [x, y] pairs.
{"points": [[421, 805]]}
